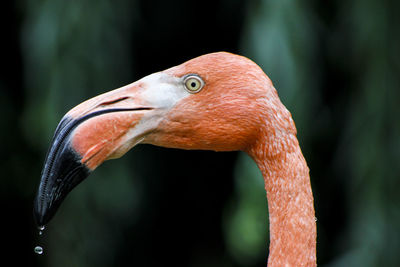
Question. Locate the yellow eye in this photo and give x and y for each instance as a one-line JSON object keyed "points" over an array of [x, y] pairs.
{"points": [[193, 84]]}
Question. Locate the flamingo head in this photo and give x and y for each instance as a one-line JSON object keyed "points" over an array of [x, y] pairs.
{"points": [[213, 102]]}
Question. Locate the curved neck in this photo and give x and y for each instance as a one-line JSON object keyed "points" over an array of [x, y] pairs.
{"points": [[290, 200]]}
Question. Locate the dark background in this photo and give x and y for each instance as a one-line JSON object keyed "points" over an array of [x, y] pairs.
{"points": [[335, 65]]}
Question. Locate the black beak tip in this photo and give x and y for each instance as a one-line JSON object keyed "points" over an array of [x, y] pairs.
{"points": [[62, 171], [40, 214], [67, 174]]}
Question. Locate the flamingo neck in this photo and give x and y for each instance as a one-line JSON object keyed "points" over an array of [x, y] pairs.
{"points": [[290, 200]]}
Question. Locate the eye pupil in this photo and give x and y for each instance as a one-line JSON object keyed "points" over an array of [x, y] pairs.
{"points": [[193, 84]]}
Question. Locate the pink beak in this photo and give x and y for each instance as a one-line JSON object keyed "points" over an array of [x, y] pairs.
{"points": [[86, 136]]}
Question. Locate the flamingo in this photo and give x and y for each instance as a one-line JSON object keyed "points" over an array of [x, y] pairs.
{"points": [[218, 101]]}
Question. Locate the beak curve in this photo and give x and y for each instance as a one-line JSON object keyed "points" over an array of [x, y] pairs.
{"points": [[62, 171], [94, 131]]}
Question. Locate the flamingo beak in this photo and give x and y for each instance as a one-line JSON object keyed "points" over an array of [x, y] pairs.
{"points": [[96, 130], [101, 128]]}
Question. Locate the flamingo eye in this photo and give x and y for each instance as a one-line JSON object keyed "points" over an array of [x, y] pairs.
{"points": [[193, 83]]}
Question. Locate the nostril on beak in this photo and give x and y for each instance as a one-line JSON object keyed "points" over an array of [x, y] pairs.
{"points": [[107, 103]]}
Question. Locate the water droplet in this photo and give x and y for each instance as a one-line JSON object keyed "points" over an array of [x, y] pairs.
{"points": [[315, 218], [38, 250], [41, 228]]}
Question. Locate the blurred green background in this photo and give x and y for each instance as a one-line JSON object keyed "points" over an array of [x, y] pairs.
{"points": [[335, 65]]}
